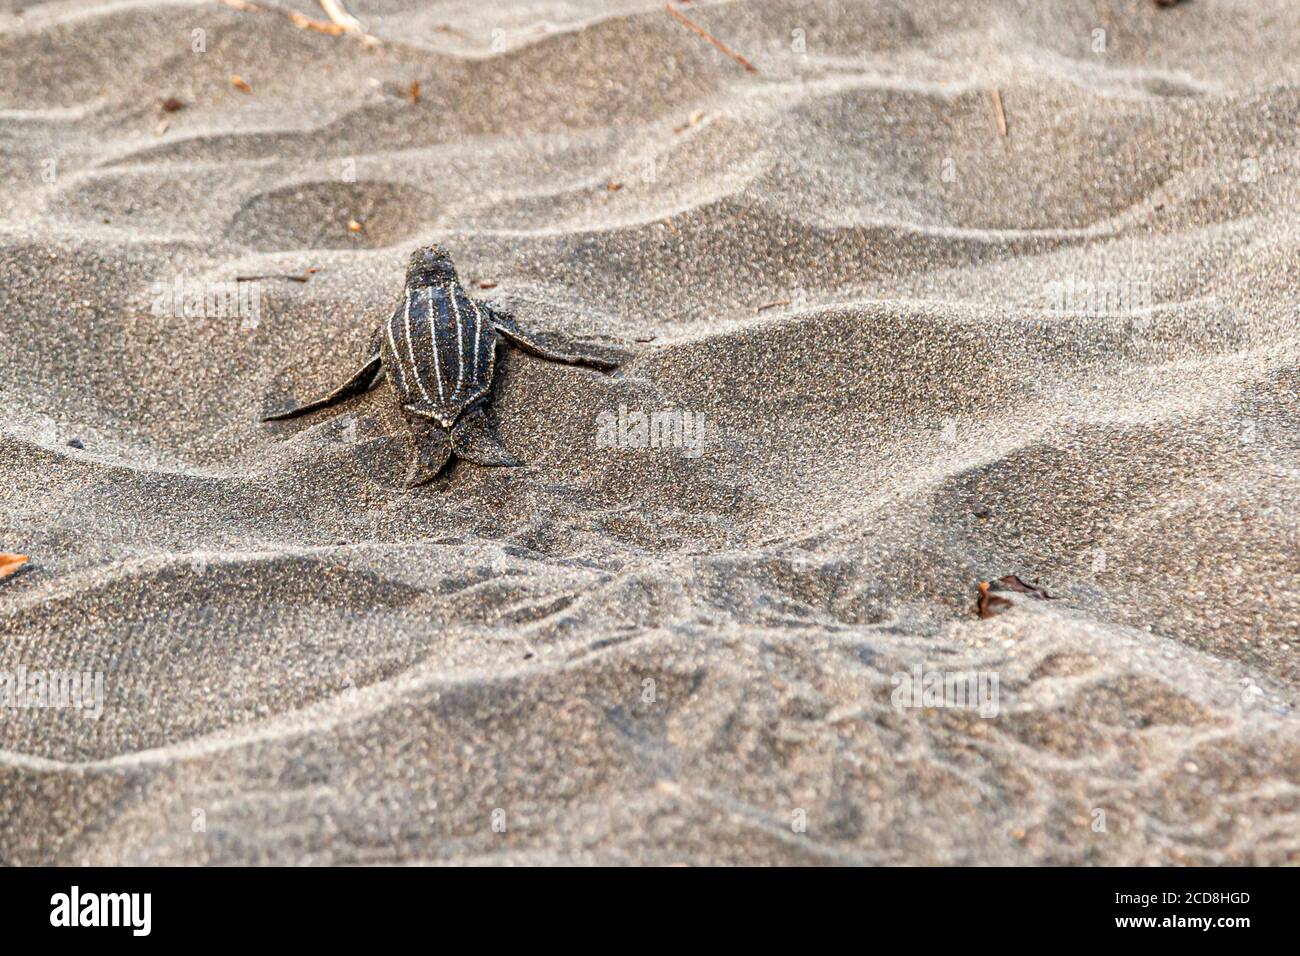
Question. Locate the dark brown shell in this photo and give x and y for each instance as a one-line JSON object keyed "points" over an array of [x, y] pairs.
{"points": [[439, 347]]}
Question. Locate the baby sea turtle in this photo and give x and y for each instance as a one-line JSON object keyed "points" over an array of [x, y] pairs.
{"points": [[439, 348]]}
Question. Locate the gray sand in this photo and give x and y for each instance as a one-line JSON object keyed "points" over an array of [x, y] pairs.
{"points": [[630, 655]]}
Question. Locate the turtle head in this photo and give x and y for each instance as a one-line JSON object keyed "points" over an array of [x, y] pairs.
{"points": [[430, 265]]}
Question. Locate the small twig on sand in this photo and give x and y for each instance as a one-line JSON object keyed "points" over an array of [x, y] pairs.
{"points": [[334, 10], [339, 22], [320, 26], [288, 278], [1002, 117], [772, 305], [710, 37]]}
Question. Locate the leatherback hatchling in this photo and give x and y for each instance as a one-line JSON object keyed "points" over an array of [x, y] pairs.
{"points": [[439, 348]]}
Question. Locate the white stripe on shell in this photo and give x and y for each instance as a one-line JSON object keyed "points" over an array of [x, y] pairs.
{"points": [[433, 338], [410, 347], [392, 344], [478, 324], [460, 337]]}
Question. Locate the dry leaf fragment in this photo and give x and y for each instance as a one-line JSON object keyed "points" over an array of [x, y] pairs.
{"points": [[10, 563], [1009, 582], [989, 604], [172, 104], [613, 186], [354, 226], [239, 83], [487, 284]]}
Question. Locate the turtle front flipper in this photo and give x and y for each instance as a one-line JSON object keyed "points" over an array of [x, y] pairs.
{"points": [[432, 452], [522, 340], [474, 439], [361, 381]]}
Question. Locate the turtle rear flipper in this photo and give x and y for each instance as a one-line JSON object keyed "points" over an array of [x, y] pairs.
{"points": [[361, 381], [432, 452], [474, 439]]}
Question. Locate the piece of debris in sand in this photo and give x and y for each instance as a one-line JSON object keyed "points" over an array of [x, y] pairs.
{"points": [[1002, 116], [354, 226], [712, 39], [692, 120], [172, 104], [448, 29], [1009, 582], [239, 83], [989, 603], [334, 10], [306, 275], [320, 26], [10, 563]]}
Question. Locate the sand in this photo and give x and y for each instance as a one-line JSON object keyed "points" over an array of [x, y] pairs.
{"points": [[926, 355]]}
